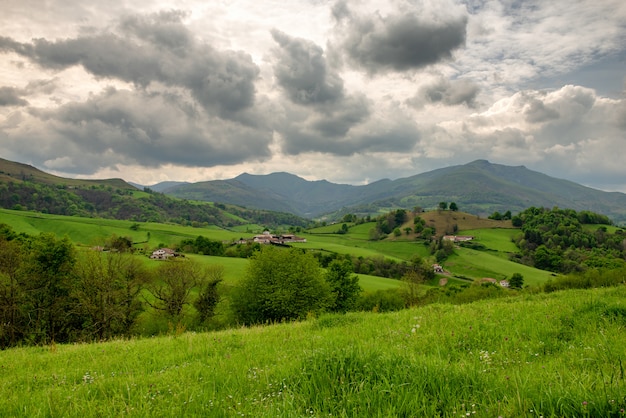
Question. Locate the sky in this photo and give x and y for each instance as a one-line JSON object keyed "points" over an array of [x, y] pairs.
{"points": [[346, 91]]}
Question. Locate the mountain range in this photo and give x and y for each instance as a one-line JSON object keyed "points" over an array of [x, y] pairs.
{"points": [[479, 187]]}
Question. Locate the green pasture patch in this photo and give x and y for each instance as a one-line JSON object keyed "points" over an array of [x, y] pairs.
{"points": [[497, 239], [373, 283], [361, 231], [611, 229], [94, 231], [327, 229], [480, 264], [248, 230], [234, 268]]}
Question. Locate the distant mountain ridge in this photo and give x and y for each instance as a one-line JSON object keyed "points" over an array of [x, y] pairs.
{"points": [[479, 187]]}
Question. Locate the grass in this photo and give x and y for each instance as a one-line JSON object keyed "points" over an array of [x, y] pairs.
{"points": [[549, 355], [495, 239], [480, 264], [93, 231]]}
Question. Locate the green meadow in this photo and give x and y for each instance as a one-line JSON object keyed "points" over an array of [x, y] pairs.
{"points": [[465, 263], [536, 355]]}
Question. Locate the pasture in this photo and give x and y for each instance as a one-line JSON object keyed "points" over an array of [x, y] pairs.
{"points": [[465, 262], [531, 356]]}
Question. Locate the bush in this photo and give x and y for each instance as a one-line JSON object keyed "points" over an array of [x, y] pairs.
{"points": [[280, 285], [381, 301]]}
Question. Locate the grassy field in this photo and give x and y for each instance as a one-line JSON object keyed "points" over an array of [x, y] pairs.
{"points": [[480, 264], [465, 263], [497, 239], [548, 355], [94, 231]]}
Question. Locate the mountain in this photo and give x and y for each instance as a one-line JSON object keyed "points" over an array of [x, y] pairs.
{"points": [[159, 187], [479, 187]]}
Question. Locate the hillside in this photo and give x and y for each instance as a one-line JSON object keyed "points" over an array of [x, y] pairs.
{"points": [[23, 187], [533, 355], [479, 187], [11, 171]]}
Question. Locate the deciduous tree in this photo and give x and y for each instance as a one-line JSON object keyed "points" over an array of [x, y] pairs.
{"points": [[173, 284], [280, 284], [344, 285]]}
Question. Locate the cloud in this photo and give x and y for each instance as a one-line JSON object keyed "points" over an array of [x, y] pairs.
{"points": [[347, 128], [125, 127], [10, 96], [450, 93], [403, 40], [156, 48], [301, 70], [570, 132]]}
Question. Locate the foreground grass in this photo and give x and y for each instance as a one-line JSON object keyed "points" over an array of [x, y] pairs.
{"points": [[556, 354]]}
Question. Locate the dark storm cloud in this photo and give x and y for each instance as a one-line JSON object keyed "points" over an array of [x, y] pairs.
{"points": [[397, 138], [301, 70], [397, 42], [154, 48], [346, 129], [323, 118], [125, 127], [10, 96], [450, 93], [336, 122]]}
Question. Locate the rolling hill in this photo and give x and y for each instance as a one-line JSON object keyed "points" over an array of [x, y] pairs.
{"points": [[479, 187], [23, 187]]}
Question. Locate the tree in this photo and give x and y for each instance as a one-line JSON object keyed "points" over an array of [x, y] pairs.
{"points": [[11, 295], [443, 206], [280, 284], [121, 244], [516, 281], [106, 293], [453, 206], [420, 272], [173, 285], [343, 285], [209, 296], [48, 280]]}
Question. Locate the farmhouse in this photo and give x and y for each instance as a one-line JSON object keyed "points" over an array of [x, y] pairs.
{"points": [[163, 254], [458, 238], [437, 268], [267, 238]]}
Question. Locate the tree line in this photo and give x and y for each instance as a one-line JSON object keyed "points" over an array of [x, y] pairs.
{"points": [[50, 291], [558, 240]]}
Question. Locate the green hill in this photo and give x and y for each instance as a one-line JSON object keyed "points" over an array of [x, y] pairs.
{"points": [[23, 187], [551, 355]]}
